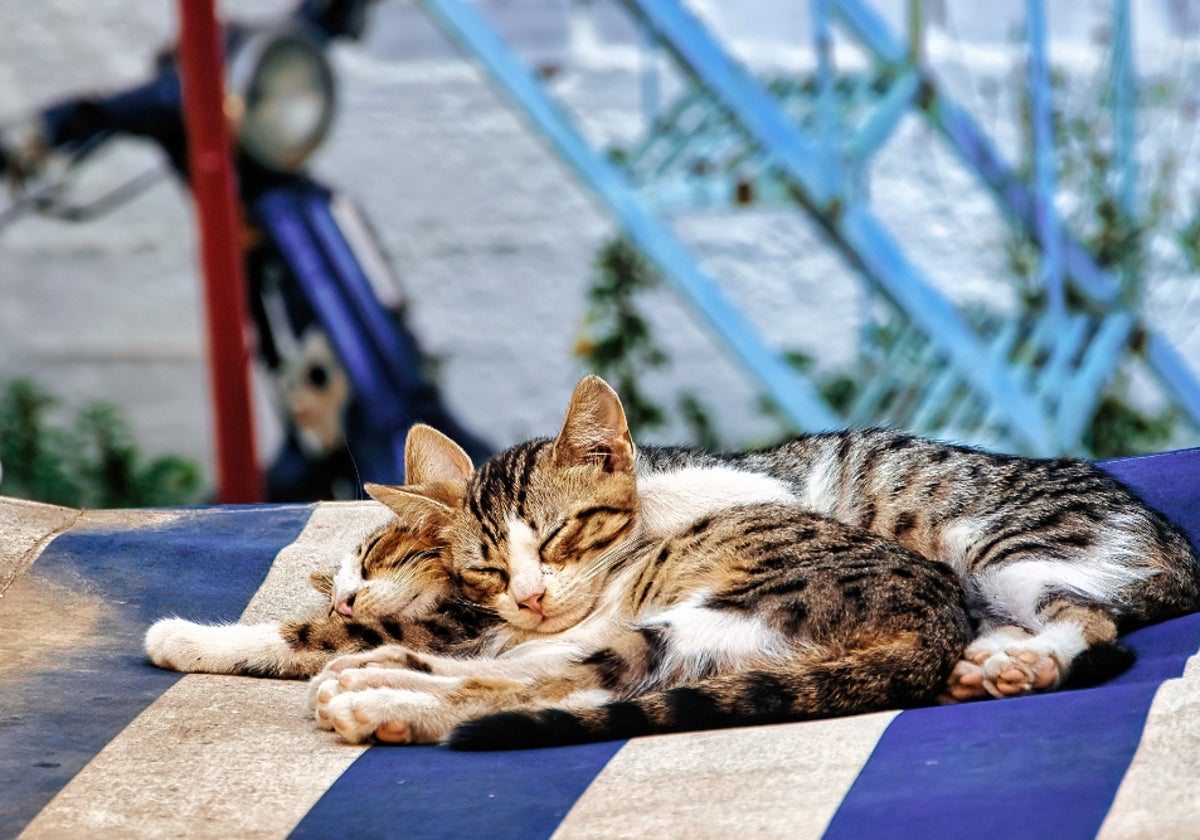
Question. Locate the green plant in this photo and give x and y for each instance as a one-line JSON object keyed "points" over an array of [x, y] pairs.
{"points": [[617, 343], [92, 463]]}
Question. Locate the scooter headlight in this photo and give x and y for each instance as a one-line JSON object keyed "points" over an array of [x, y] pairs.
{"points": [[280, 98]]}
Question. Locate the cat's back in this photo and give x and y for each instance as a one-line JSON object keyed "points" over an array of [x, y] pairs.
{"points": [[865, 464], [805, 570]]}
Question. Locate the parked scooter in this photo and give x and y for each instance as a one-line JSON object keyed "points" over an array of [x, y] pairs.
{"points": [[328, 311]]}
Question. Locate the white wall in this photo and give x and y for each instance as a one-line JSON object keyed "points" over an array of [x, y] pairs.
{"points": [[493, 237]]}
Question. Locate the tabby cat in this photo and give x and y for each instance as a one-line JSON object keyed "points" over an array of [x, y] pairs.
{"points": [[618, 624], [1056, 555], [396, 588]]}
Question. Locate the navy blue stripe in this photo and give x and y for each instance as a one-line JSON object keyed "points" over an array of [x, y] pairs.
{"points": [[432, 793], [1035, 767], [60, 711], [1169, 482]]}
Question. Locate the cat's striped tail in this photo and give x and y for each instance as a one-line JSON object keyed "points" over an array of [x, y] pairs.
{"points": [[887, 677]]}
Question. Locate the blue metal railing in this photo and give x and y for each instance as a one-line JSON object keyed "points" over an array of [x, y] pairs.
{"points": [[1033, 387]]}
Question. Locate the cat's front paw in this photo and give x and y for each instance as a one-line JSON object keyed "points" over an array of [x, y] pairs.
{"points": [[326, 684], [162, 642], [181, 645], [384, 714], [1004, 663], [321, 692]]}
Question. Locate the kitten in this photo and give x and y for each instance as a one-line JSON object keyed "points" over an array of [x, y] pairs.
{"points": [[743, 614], [396, 588], [1057, 556]]}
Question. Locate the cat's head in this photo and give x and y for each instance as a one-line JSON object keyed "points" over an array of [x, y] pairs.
{"points": [[402, 569], [538, 527]]}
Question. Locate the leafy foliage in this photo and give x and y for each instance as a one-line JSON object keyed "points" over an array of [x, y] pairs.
{"points": [[92, 463], [617, 343]]}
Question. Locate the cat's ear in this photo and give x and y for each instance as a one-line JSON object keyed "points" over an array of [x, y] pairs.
{"points": [[420, 506], [430, 456], [595, 429], [322, 582]]}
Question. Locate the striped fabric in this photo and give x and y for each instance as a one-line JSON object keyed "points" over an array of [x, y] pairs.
{"points": [[95, 742]]}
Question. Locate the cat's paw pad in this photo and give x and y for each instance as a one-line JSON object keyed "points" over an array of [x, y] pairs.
{"points": [[386, 715], [321, 693], [966, 683], [1005, 663], [352, 718], [330, 680], [1020, 671]]}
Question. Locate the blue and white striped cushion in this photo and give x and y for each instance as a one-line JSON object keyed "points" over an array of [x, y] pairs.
{"points": [[94, 741]]}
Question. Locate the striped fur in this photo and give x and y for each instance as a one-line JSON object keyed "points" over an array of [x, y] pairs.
{"points": [[753, 611], [1057, 556], [395, 588]]}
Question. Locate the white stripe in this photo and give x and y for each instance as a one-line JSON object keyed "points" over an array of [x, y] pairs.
{"points": [[213, 757], [1160, 794], [674, 499], [219, 756], [767, 781], [334, 530], [26, 528]]}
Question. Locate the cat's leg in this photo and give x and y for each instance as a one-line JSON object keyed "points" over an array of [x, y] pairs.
{"points": [[371, 675], [395, 667], [1070, 642], [260, 650], [386, 666], [292, 649], [401, 696], [404, 706]]}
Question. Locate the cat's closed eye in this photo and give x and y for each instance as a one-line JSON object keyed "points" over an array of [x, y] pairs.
{"points": [[548, 537], [484, 580]]}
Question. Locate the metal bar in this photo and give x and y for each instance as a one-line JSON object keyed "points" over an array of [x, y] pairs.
{"points": [[1049, 231], [852, 227], [649, 86], [798, 400], [1171, 368], [883, 260], [210, 171], [1055, 374], [1078, 404], [936, 400], [741, 94], [398, 359], [826, 102], [972, 145], [869, 404], [1001, 350], [279, 212], [1124, 105], [884, 119]]}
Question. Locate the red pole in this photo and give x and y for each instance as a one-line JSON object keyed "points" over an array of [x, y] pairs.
{"points": [[201, 69]]}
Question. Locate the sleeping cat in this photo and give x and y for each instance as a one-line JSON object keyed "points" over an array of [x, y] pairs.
{"points": [[709, 616], [1056, 555], [395, 588]]}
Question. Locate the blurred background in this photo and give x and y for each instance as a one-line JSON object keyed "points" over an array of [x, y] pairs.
{"points": [[879, 276]]}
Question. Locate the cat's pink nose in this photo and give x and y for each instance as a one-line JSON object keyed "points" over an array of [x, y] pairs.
{"points": [[534, 602], [345, 606]]}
